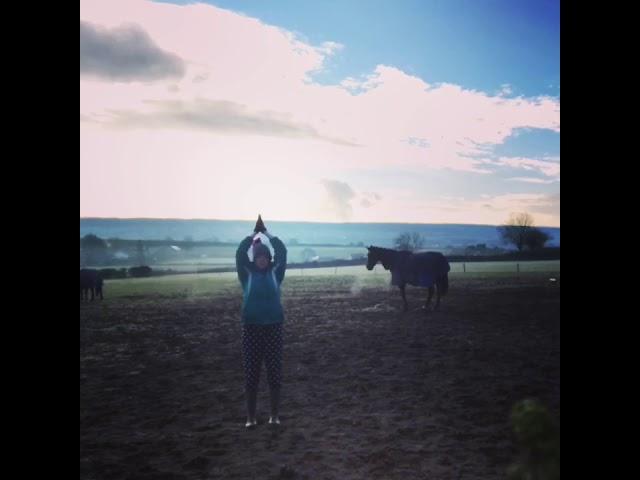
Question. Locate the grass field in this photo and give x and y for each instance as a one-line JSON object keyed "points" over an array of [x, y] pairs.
{"points": [[208, 283], [224, 256]]}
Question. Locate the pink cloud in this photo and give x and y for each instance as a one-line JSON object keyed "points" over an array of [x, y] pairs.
{"points": [[260, 68]]}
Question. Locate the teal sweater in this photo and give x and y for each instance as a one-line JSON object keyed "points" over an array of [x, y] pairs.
{"points": [[261, 289]]}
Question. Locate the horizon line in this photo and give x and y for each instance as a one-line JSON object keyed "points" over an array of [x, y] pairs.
{"points": [[301, 221]]}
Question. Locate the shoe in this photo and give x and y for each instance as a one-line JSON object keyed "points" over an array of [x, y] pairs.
{"points": [[274, 421]]}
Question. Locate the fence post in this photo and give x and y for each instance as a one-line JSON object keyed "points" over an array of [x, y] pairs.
{"points": [[464, 267]]}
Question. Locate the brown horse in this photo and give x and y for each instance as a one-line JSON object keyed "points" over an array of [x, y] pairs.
{"points": [[425, 269], [90, 281]]}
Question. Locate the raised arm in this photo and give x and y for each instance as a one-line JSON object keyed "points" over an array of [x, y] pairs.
{"points": [[280, 256], [242, 260]]}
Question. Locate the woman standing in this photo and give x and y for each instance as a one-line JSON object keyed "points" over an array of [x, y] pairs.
{"points": [[262, 317]]}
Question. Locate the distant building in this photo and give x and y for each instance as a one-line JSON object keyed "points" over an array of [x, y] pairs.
{"points": [[120, 255]]}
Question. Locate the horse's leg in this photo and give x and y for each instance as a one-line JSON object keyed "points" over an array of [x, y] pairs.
{"points": [[92, 294], [404, 298], [437, 307], [426, 305]]}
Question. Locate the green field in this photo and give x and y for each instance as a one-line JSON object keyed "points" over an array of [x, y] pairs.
{"points": [[197, 284], [221, 256], [200, 258]]}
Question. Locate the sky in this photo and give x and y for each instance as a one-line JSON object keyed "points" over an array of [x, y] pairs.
{"points": [[335, 111]]}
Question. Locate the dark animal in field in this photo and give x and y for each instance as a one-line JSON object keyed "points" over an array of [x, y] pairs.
{"points": [[424, 269], [90, 281]]}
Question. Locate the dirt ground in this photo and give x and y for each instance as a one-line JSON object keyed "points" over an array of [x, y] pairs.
{"points": [[368, 392]]}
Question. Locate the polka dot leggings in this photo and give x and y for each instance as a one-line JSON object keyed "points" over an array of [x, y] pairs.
{"points": [[262, 343]]}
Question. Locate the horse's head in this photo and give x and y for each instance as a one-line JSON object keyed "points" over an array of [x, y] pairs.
{"points": [[376, 255], [372, 258]]}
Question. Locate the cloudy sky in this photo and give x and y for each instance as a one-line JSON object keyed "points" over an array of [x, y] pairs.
{"points": [[383, 111]]}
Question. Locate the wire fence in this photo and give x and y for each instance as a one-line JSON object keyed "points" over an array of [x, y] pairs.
{"points": [[549, 266]]}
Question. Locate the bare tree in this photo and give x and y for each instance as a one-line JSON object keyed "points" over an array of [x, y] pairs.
{"points": [[409, 241], [519, 231], [535, 239], [93, 250]]}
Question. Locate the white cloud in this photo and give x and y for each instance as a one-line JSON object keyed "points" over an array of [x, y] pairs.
{"points": [[549, 166], [505, 89], [267, 73], [489, 209], [270, 69], [339, 196], [532, 180], [330, 48]]}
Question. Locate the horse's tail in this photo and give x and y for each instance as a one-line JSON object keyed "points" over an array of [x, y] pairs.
{"points": [[443, 284]]}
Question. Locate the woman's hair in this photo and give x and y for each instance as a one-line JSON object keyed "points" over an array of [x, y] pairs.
{"points": [[259, 249]]}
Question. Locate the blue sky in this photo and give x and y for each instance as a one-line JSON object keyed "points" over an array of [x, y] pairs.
{"points": [[480, 44]]}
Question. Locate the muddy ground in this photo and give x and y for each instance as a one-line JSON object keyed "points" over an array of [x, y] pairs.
{"points": [[369, 392]]}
